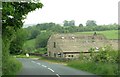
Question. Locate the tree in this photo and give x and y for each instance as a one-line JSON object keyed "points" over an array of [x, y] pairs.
{"points": [[72, 23], [12, 15], [69, 23], [80, 25], [66, 23], [17, 43], [91, 23], [41, 40]]}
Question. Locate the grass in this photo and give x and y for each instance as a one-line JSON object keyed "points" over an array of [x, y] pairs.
{"points": [[40, 58], [0, 55], [53, 60], [109, 34], [24, 56], [30, 43], [96, 68], [12, 66]]}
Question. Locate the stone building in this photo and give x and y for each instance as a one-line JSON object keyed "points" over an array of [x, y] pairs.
{"points": [[71, 45]]}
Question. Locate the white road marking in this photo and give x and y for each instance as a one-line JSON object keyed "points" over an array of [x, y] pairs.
{"points": [[33, 61], [51, 69], [44, 66], [58, 75], [38, 63]]}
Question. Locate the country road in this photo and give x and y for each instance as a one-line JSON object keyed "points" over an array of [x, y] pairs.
{"points": [[42, 68]]}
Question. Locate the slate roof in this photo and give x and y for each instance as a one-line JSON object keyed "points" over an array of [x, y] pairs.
{"points": [[76, 42]]}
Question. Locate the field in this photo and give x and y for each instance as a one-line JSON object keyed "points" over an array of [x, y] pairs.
{"points": [[30, 43], [110, 34]]}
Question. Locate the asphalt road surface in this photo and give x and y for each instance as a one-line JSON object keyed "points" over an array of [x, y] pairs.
{"points": [[42, 68]]}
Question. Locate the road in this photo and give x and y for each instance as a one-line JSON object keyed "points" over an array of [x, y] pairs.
{"points": [[42, 68]]}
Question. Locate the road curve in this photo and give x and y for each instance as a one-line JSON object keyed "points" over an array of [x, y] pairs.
{"points": [[38, 67]]}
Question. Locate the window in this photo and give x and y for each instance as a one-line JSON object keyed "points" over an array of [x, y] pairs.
{"points": [[68, 55], [71, 55], [54, 44]]}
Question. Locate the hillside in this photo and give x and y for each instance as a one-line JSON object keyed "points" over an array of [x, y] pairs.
{"points": [[110, 34]]}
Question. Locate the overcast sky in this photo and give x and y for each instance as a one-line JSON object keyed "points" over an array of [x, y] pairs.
{"points": [[102, 11]]}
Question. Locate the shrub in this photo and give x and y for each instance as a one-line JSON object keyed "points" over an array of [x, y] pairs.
{"points": [[105, 62]]}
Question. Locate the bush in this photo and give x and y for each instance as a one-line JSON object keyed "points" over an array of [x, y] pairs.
{"points": [[105, 62], [107, 55]]}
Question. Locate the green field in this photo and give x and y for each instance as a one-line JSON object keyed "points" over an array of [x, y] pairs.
{"points": [[30, 43], [110, 34]]}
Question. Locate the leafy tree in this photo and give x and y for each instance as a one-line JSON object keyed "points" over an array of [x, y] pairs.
{"points": [[34, 33], [45, 26], [17, 43], [80, 25], [91, 23], [69, 23], [66, 23], [12, 15], [57, 29], [41, 40], [72, 23]]}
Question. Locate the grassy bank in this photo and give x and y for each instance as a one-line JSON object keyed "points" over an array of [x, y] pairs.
{"points": [[30, 44], [13, 66], [0, 55], [103, 63], [96, 68], [41, 58]]}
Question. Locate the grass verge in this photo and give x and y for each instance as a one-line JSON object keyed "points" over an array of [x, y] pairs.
{"points": [[42, 58], [11, 66], [51, 60], [96, 68]]}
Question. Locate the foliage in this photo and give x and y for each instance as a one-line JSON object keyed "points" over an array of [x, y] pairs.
{"points": [[106, 55], [91, 23], [12, 66], [96, 68], [17, 43], [80, 25], [33, 32], [57, 28], [29, 45], [105, 62], [41, 40], [45, 26], [41, 50], [12, 15], [69, 23]]}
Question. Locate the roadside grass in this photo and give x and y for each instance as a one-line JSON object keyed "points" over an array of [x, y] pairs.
{"points": [[13, 66], [96, 68], [0, 55], [109, 34], [24, 56], [41, 58], [50, 60]]}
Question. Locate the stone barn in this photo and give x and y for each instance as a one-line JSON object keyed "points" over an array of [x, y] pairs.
{"points": [[71, 45]]}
